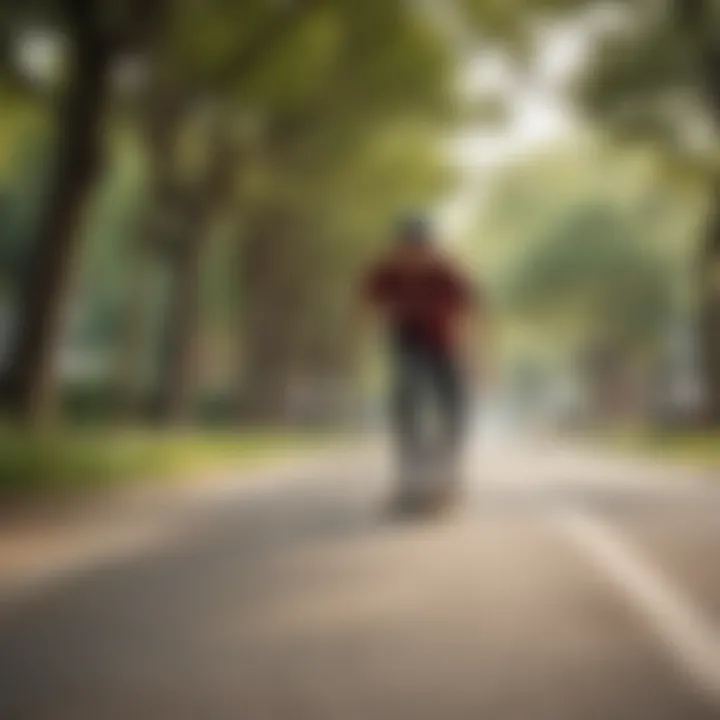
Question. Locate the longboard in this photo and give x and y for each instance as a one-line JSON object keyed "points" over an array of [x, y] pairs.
{"points": [[426, 487]]}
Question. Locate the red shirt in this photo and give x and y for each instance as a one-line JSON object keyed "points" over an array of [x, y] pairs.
{"points": [[421, 304]]}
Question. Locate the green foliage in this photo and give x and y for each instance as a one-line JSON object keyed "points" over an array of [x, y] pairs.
{"points": [[514, 22], [591, 267], [651, 81], [582, 251]]}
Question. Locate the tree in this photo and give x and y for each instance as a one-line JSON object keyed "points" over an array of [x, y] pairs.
{"points": [[310, 83], [300, 251], [588, 253], [659, 79], [210, 68], [20, 197], [94, 41], [593, 284], [201, 63]]}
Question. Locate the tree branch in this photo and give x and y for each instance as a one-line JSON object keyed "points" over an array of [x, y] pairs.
{"points": [[693, 18], [249, 57]]}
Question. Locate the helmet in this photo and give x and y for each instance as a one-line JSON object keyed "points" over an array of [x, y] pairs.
{"points": [[413, 229]]}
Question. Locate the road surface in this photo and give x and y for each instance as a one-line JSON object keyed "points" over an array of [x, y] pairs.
{"points": [[568, 586]]}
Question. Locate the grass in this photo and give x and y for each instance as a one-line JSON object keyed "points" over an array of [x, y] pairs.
{"points": [[700, 449], [76, 460]]}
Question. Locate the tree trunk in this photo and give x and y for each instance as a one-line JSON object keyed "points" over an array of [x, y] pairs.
{"points": [[709, 319], [695, 17], [132, 351], [267, 320], [203, 204], [156, 239], [181, 360], [293, 328], [31, 382]]}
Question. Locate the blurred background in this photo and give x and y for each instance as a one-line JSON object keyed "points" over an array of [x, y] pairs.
{"points": [[190, 192]]}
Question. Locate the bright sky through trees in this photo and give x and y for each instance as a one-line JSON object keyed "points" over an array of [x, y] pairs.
{"points": [[538, 108]]}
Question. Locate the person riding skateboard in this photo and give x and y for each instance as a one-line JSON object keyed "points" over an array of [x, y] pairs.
{"points": [[426, 305]]}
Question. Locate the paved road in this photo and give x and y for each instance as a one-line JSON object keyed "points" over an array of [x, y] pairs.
{"points": [[568, 586]]}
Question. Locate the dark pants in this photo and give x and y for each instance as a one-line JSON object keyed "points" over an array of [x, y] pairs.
{"points": [[424, 379]]}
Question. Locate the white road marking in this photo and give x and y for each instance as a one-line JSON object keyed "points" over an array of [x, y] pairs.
{"points": [[691, 639]]}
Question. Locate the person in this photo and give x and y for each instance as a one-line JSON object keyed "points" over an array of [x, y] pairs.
{"points": [[426, 305]]}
